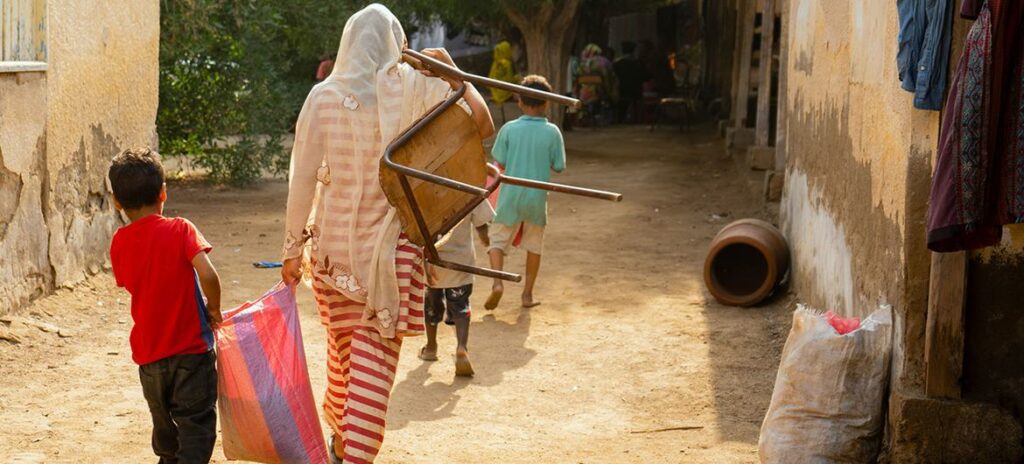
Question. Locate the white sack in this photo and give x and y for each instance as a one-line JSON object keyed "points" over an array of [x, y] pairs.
{"points": [[827, 405]]}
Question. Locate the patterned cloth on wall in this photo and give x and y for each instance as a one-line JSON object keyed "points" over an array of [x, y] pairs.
{"points": [[978, 184]]}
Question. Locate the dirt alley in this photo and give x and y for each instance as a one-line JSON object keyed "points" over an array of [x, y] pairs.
{"points": [[626, 342]]}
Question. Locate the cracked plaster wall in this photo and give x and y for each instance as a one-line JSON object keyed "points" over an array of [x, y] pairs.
{"points": [[25, 270], [58, 132]]}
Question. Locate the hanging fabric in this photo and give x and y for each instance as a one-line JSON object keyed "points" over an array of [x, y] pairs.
{"points": [[978, 184], [923, 57]]}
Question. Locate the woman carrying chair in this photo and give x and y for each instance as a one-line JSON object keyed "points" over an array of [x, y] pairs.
{"points": [[341, 231]]}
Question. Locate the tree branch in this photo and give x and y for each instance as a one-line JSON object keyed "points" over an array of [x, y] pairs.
{"points": [[517, 18], [543, 15], [569, 10]]}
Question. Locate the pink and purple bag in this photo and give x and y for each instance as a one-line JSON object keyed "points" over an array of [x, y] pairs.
{"points": [[267, 411]]}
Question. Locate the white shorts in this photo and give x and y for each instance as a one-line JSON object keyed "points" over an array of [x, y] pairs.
{"points": [[501, 237]]}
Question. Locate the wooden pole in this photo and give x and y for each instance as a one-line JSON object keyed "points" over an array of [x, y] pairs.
{"points": [[736, 56], [781, 115], [944, 331], [764, 86], [746, 45]]}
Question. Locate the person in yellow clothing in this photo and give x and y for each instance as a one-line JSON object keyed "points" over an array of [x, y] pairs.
{"points": [[501, 69]]}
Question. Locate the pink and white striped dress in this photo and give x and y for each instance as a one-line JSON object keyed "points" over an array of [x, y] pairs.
{"points": [[340, 159], [367, 278]]}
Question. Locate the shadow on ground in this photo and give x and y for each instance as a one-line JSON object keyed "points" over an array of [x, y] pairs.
{"points": [[423, 398]]}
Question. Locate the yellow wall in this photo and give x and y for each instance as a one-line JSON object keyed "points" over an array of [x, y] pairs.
{"points": [[102, 98], [24, 262], [858, 177], [858, 170], [98, 95]]}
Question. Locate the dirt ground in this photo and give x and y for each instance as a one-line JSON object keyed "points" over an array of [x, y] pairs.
{"points": [[626, 343]]}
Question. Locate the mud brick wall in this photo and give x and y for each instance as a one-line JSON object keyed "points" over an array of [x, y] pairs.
{"points": [[858, 176], [58, 130], [994, 324], [858, 172]]}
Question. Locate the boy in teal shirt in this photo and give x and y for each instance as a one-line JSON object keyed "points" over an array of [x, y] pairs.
{"points": [[529, 147]]}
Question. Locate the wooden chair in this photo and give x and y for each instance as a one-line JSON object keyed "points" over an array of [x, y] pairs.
{"points": [[435, 172], [684, 106]]}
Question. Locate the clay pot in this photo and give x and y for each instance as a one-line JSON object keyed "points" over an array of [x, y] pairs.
{"points": [[747, 260]]}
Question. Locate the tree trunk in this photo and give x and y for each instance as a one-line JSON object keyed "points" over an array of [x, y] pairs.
{"points": [[549, 32]]}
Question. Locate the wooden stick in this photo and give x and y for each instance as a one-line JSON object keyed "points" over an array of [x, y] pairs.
{"points": [[764, 84], [746, 50], [421, 61], [944, 331], [668, 429]]}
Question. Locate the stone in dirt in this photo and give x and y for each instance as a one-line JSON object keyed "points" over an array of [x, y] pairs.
{"points": [[6, 334], [20, 329], [45, 326], [27, 458], [24, 321]]}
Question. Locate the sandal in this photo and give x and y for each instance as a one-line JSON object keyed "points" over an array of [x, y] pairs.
{"points": [[427, 356]]}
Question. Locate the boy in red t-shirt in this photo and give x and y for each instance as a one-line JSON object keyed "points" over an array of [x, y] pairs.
{"points": [[163, 263]]}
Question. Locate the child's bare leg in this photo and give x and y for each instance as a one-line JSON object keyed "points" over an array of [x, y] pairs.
{"points": [[497, 288], [433, 308], [463, 368], [429, 351], [532, 267], [462, 334]]}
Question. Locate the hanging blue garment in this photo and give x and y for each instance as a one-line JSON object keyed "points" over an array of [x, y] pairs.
{"points": [[923, 57]]}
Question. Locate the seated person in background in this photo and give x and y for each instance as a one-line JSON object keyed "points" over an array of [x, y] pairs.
{"points": [[632, 74]]}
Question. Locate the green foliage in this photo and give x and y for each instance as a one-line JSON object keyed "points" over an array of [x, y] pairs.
{"points": [[234, 73]]}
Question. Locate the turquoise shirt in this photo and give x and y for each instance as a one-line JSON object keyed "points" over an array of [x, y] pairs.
{"points": [[529, 147]]}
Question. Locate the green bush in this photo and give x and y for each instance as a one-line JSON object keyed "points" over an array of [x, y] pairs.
{"points": [[234, 74]]}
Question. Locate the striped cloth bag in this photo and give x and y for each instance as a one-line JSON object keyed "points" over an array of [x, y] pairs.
{"points": [[266, 403]]}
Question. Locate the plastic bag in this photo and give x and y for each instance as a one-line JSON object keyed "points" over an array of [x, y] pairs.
{"points": [[827, 405], [843, 325], [266, 403]]}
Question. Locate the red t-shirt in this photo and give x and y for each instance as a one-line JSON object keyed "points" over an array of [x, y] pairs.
{"points": [[152, 259]]}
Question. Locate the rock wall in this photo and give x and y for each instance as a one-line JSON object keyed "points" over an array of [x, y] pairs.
{"points": [[98, 95]]}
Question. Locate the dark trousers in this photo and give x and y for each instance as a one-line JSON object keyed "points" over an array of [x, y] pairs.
{"points": [[182, 395]]}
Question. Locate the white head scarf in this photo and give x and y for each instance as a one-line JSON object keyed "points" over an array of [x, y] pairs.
{"points": [[371, 45], [368, 61]]}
